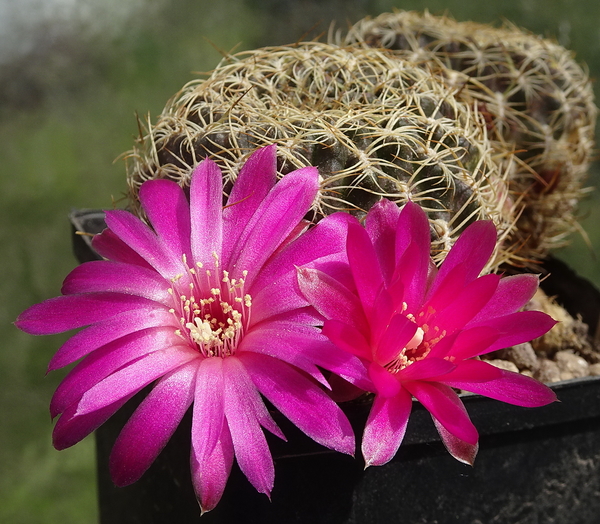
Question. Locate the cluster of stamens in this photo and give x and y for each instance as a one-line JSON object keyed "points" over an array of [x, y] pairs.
{"points": [[417, 348], [214, 323]]}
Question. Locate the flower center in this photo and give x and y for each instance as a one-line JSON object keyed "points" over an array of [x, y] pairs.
{"points": [[213, 310], [417, 348]]}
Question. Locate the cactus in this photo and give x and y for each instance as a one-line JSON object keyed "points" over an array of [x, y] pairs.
{"points": [[536, 99], [374, 126]]}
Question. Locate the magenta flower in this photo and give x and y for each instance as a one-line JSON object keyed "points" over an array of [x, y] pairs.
{"points": [[419, 329], [206, 306]]}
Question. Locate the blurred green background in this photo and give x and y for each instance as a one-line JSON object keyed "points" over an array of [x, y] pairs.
{"points": [[72, 75]]}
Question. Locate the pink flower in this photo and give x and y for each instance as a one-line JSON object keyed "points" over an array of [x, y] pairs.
{"points": [[206, 306], [419, 329]]}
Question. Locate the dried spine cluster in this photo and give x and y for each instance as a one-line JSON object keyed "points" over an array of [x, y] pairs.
{"points": [[373, 124], [538, 102]]}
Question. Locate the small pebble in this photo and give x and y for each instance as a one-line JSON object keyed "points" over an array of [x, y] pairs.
{"points": [[547, 371], [570, 363], [595, 370], [522, 355], [503, 364]]}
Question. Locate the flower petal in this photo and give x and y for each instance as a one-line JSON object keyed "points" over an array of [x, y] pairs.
{"points": [[102, 333], [107, 359], [386, 384], [168, 210], [446, 407], [59, 314], [473, 342], [301, 401], [364, 266], [517, 328], [276, 217], [206, 214], [394, 339], [426, 369], [385, 428], [413, 252], [512, 294], [380, 224], [296, 344], [152, 425], [117, 277], [474, 246], [256, 178], [110, 246], [347, 338], [326, 238], [210, 472], [467, 303], [331, 299], [251, 449], [209, 411], [134, 377], [71, 428], [139, 237], [511, 387], [459, 449]]}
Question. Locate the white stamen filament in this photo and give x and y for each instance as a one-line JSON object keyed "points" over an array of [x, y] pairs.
{"points": [[215, 322]]}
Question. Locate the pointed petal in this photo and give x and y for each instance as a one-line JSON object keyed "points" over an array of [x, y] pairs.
{"points": [[256, 178], [426, 369], [459, 449], [117, 277], [413, 253], [446, 407], [71, 429], [473, 342], [59, 314], [385, 428], [364, 266], [387, 385], [98, 335], [395, 338], [210, 472], [209, 411], [301, 401], [304, 347], [139, 237], [107, 359], [380, 224], [296, 344], [471, 371], [284, 295], [410, 279], [517, 328], [475, 246], [132, 378], [347, 338], [277, 216], [512, 388], [325, 242], [111, 247], [152, 425], [467, 303], [168, 210], [331, 299], [251, 449], [512, 294], [206, 212]]}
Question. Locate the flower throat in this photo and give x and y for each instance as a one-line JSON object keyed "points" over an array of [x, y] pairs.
{"points": [[212, 309]]}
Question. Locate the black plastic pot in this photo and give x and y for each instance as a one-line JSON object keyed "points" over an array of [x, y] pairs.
{"points": [[534, 466]]}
